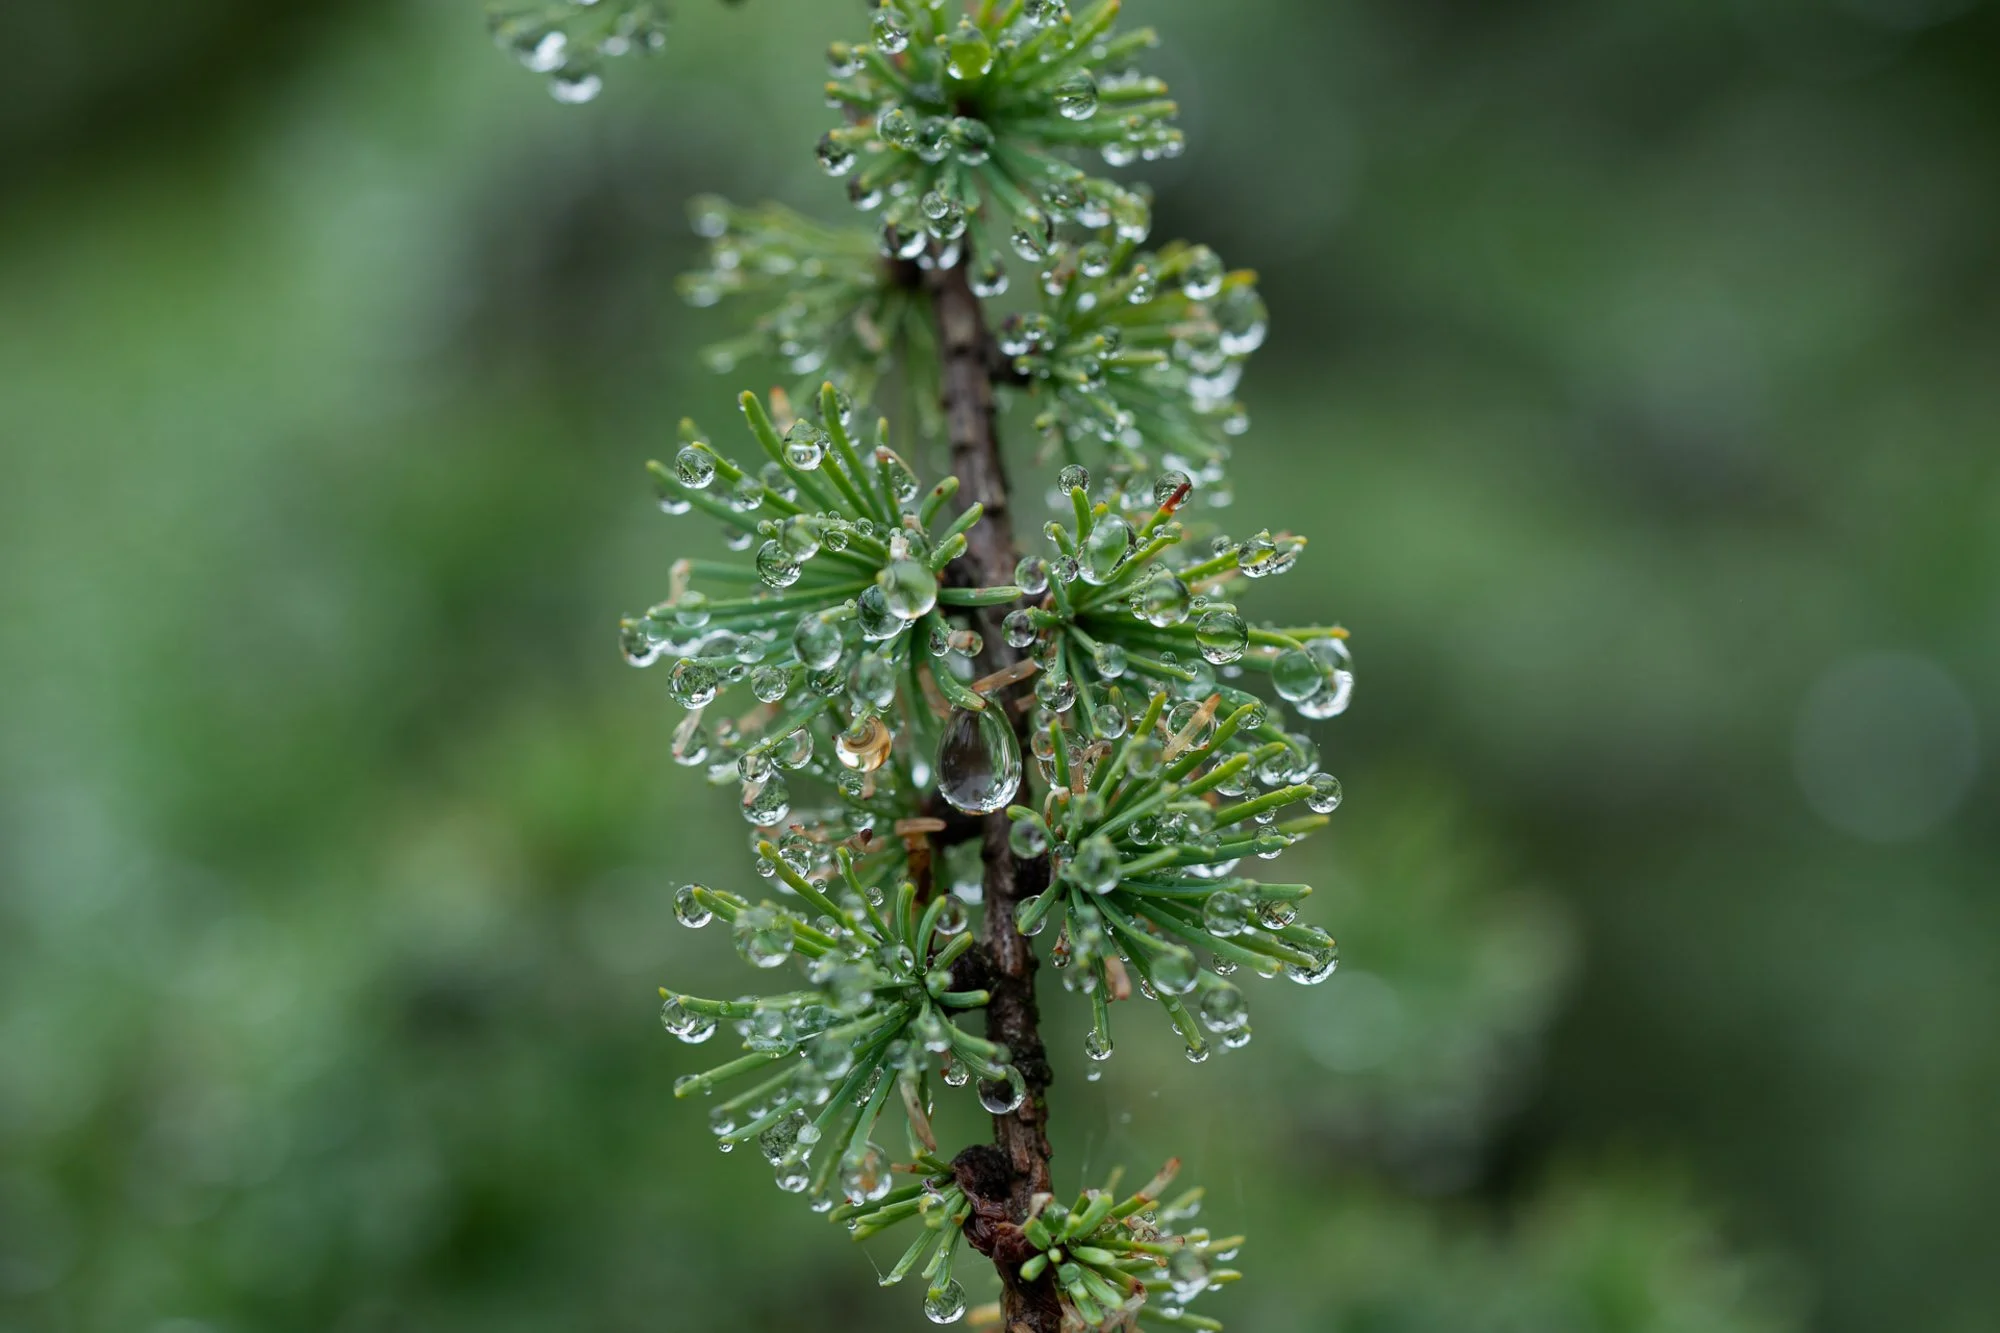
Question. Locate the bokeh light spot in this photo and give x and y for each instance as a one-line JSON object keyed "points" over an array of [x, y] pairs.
{"points": [[1886, 747]]}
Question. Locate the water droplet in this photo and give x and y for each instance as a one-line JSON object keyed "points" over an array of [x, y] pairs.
{"points": [[1174, 970], [1096, 1046], [1163, 602], [909, 589], [796, 750], [895, 127], [979, 761], [805, 445], [1064, 198], [800, 537], [766, 803], [989, 278], [763, 937], [968, 55], [1096, 865], [688, 909], [818, 642], [708, 214], [1106, 550], [1222, 636], [1056, 693], [1202, 277], [1296, 676], [1172, 484], [934, 140], [896, 476], [1019, 629], [543, 52], [1032, 577], [864, 1175], [691, 609], [694, 467], [786, 1139], [682, 1022], [1187, 1273], [1223, 1009], [770, 684], [1075, 477], [1042, 740], [832, 1059], [1325, 959], [636, 641], [1242, 320], [776, 566], [1031, 916], [835, 157], [842, 61], [576, 86], [1003, 1096], [945, 1304], [1076, 96], [1043, 13], [1325, 798], [1336, 664], [693, 683], [873, 682], [974, 141], [878, 623], [944, 216], [1226, 913], [1034, 236], [891, 38], [1277, 913], [1029, 838]]}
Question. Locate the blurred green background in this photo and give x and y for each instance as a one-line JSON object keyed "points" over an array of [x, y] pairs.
{"points": [[1633, 371]]}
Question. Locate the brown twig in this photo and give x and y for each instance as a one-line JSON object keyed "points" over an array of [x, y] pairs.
{"points": [[1017, 1166]]}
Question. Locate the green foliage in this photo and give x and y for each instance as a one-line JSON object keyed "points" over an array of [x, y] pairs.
{"points": [[569, 40], [839, 310], [841, 604], [1133, 600], [1133, 1261], [938, 1202], [1133, 357], [882, 991], [962, 126], [1143, 871]]}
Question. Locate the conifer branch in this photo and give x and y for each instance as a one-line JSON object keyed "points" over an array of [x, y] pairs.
{"points": [[1081, 708]]}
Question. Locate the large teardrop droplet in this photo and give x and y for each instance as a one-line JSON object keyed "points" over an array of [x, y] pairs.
{"points": [[979, 761], [1106, 550]]}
